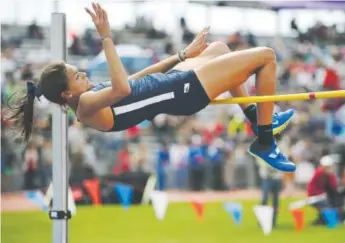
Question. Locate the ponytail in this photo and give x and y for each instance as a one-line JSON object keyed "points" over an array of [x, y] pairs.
{"points": [[23, 113]]}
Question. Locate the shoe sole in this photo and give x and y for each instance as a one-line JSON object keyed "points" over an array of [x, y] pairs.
{"points": [[281, 128]]}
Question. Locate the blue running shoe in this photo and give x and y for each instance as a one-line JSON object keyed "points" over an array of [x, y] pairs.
{"points": [[280, 121], [271, 156]]}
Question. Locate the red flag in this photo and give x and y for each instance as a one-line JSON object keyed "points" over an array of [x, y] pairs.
{"points": [[92, 187], [199, 209], [298, 215]]}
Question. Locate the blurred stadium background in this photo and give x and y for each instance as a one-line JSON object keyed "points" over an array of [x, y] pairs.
{"points": [[195, 162]]}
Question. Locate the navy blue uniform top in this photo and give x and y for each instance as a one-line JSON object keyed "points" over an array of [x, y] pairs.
{"points": [[176, 93]]}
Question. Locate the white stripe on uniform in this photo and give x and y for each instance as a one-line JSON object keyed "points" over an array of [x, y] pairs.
{"points": [[143, 103]]}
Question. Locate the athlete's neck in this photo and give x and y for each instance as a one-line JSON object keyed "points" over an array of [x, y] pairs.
{"points": [[73, 103]]}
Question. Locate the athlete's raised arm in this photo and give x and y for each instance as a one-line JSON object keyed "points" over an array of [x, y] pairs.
{"points": [[91, 102], [194, 49]]}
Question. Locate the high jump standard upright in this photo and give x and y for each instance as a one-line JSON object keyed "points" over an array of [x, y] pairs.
{"points": [[59, 213]]}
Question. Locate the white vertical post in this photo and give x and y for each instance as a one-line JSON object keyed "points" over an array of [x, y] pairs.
{"points": [[59, 133]]}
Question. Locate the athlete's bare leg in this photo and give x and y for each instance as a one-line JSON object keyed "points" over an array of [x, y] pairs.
{"points": [[229, 71]]}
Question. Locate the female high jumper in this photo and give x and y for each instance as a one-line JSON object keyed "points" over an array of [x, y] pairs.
{"points": [[197, 75]]}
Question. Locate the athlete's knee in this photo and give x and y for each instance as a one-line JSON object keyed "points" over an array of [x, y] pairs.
{"points": [[217, 48], [264, 56], [267, 54]]}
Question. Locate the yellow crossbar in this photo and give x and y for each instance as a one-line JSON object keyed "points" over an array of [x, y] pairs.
{"points": [[284, 97]]}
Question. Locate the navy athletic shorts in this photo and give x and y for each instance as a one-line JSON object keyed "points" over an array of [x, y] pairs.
{"points": [[176, 92]]}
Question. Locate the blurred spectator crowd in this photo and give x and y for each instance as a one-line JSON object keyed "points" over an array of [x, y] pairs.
{"points": [[205, 151]]}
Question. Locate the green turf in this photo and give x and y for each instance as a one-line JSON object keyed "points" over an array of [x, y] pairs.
{"points": [[110, 224]]}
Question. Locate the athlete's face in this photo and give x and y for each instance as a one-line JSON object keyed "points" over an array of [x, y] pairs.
{"points": [[78, 83]]}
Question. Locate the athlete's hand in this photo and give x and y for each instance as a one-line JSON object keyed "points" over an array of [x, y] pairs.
{"points": [[100, 19], [198, 44]]}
